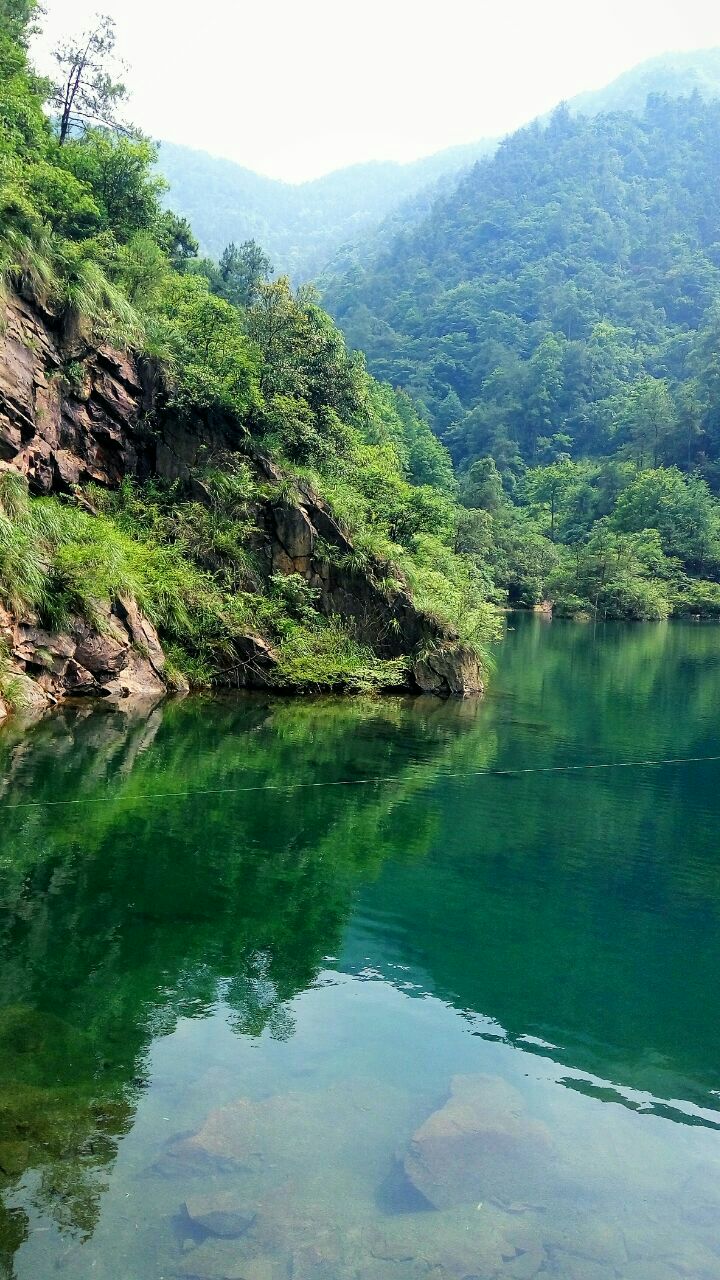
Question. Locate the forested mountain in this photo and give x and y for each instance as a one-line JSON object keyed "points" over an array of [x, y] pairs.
{"points": [[566, 287], [677, 74], [558, 318], [302, 226], [299, 225]]}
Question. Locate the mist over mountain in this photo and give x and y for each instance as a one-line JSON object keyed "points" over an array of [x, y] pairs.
{"points": [[299, 225], [310, 227], [677, 74]]}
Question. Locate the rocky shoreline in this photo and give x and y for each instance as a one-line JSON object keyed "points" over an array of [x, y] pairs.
{"points": [[74, 414]]}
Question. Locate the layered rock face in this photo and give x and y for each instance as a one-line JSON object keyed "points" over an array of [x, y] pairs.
{"points": [[72, 414], [119, 659]]}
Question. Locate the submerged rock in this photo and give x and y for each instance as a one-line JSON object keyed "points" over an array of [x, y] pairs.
{"points": [[220, 1213], [225, 1260], [227, 1139], [453, 1244], [481, 1143]]}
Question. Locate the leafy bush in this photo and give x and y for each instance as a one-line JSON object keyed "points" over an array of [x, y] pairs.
{"points": [[324, 654]]}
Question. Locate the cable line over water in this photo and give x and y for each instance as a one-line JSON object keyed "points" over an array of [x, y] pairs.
{"points": [[367, 782]]}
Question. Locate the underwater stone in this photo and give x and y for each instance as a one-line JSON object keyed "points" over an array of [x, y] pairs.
{"points": [[480, 1143], [223, 1260], [227, 1138], [220, 1213]]}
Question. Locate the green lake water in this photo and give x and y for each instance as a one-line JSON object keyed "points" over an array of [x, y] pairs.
{"points": [[258, 1025]]}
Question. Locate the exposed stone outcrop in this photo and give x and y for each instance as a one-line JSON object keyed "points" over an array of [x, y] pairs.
{"points": [[303, 537], [71, 414], [448, 668], [118, 659]]}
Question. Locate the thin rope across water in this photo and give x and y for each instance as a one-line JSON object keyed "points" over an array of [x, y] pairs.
{"points": [[368, 782]]}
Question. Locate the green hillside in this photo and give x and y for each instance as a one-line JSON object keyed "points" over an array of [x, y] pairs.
{"points": [[560, 307], [238, 361]]}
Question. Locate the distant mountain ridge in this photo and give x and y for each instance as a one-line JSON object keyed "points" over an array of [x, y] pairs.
{"points": [[677, 74], [566, 289], [310, 227], [299, 225]]}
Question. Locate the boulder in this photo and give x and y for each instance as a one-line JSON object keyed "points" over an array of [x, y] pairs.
{"points": [[480, 1144], [137, 679], [27, 694], [294, 531], [227, 1139], [223, 1260], [449, 669], [142, 633], [452, 1244], [104, 654], [220, 1213], [119, 659]]}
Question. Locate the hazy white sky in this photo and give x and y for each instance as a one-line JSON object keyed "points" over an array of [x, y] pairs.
{"points": [[294, 88]]}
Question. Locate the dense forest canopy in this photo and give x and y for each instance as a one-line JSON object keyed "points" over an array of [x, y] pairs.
{"points": [[557, 317], [567, 287]]}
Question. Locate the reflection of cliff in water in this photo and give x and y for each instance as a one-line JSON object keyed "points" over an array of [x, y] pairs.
{"points": [[123, 913]]}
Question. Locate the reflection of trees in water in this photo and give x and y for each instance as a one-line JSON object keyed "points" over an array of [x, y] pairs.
{"points": [[120, 917], [591, 913], [117, 918]]}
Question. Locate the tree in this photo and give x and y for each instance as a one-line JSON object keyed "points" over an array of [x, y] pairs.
{"points": [[483, 487], [18, 19], [543, 389], [175, 237], [242, 271], [215, 365], [305, 356], [547, 486], [119, 172], [87, 93], [650, 420], [682, 510]]}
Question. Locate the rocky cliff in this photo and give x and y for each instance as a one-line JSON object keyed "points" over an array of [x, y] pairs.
{"points": [[74, 413]]}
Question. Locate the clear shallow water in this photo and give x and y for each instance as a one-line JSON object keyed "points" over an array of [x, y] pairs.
{"points": [[233, 1012]]}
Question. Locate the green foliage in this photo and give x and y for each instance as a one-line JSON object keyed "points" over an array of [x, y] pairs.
{"points": [[57, 560], [118, 172], [566, 288], [216, 370], [241, 272], [602, 539], [325, 654], [251, 362], [613, 575]]}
